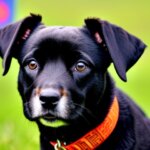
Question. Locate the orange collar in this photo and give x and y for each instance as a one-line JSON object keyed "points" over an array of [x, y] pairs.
{"points": [[97, 136]]}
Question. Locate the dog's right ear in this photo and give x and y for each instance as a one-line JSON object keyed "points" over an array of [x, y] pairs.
{"points": [[13, 36]]}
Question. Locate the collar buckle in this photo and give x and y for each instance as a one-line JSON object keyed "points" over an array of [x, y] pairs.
{"points": [[58, 146]]}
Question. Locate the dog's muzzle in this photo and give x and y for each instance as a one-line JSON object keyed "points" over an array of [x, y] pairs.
{"points": [[49, 104]]}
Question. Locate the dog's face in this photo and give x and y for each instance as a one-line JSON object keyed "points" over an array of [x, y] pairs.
{"points": [[63, 69]]}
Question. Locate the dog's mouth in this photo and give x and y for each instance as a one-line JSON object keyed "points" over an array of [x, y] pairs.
{"points": [[52, 121]]}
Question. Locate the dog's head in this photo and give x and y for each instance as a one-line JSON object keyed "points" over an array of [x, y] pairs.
{"points": [[63, 69]]}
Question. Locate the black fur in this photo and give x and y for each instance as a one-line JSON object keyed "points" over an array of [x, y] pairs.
{"points": [[56, 53]]}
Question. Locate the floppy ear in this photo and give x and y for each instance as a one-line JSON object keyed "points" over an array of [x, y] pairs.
{"points": [[13, 36], [124, 48]]}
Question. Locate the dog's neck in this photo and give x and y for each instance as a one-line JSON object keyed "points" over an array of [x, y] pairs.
{"points": [[73, 133], [97, 136]]}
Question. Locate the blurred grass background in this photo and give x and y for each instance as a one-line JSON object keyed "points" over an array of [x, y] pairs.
{"points": [[18, 133]]}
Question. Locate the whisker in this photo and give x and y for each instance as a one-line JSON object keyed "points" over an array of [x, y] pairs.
{"points": [[87, 111], [86, 120]]}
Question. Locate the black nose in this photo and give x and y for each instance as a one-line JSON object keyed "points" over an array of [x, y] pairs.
{"points": [[49, 98]]}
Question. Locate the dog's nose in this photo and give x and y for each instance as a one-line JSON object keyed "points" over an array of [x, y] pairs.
{"points": [[49, 98]]}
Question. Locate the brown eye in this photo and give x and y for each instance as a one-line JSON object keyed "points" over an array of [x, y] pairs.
{"points": [[80, 67], [32, 65]]}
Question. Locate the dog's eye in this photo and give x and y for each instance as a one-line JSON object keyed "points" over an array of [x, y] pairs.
{"points": [[80, 67], [32, 65]]}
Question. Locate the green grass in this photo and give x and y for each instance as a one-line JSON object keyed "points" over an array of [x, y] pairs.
{"points": [[16, 132]]}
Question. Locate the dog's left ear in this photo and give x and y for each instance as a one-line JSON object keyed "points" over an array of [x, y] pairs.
{"points": [[124, 48], [13, 36]]}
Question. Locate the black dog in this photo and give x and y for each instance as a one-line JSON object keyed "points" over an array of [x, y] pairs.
{"points": [[65, 86]]}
